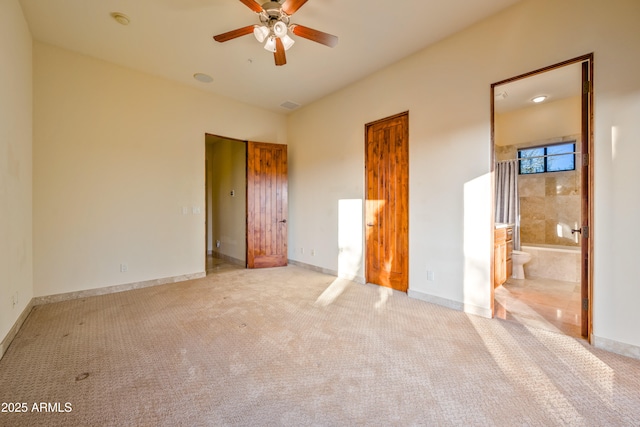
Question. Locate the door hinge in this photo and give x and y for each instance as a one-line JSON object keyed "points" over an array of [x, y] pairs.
{"points": [[587, 87], [585, 160], [585, 304], [585, 232]]}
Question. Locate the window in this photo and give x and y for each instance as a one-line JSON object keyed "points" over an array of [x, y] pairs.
{"points": [[550, 158]]}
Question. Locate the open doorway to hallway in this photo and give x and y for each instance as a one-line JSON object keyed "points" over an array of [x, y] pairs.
{"points": [[541, 145], [225, 184]]}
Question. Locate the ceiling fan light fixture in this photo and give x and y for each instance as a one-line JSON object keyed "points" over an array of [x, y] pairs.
{"points": [[270, 45], [287, 41], [260, 32], [280, 29], [274, 27]]}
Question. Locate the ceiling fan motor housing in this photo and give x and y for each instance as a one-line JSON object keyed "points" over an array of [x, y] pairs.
{"points": [[273, 9]]}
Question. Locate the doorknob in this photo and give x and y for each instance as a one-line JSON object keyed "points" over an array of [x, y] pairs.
{"points": [[369, 224], [576, 230], [284, 221]]}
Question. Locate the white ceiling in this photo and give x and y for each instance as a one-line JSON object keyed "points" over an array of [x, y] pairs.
{"points": [[556, 84], [174, 39]]}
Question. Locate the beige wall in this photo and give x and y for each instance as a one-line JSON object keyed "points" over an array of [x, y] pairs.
{"points": [[227, 167], [119, 159], [538, 122], [16, 254], [446, 88]]}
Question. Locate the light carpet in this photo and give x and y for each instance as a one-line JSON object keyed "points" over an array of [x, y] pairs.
{"points": [[288, 346]]}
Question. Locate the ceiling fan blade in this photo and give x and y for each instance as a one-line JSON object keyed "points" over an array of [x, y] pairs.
{"points": [[234, 33], [291, 6], [314, 35], [279, 55], [252, 5]]}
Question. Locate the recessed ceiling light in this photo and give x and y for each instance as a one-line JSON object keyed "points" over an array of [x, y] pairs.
{"points": [[204, 78], [121, 18], [539, 99]]}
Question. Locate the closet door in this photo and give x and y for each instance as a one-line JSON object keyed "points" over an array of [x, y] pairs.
{"points": [[266, 205]]}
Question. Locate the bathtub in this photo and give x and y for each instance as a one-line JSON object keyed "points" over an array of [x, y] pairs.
{"points": [[552, 262]]}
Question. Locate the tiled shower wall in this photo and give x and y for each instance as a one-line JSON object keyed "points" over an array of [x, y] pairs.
{"points": [[549, 202]]}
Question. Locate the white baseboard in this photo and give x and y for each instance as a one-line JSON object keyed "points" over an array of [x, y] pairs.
{"points": [[353, 278], [313, 267], [113, 289], [617, 347], [455, 305], [4, 344]]}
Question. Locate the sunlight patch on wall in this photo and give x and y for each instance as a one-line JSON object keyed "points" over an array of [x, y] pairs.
{"points": [[476, 236], [350, 244]]}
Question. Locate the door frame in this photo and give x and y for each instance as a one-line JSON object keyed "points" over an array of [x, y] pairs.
{"points": [[587, 192]]}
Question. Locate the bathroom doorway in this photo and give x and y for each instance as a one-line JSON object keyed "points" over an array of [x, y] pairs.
{"points": [[225, 208], [541, 128]]}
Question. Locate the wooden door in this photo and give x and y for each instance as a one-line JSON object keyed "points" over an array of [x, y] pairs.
{"points": [[387, 202], [266, 205], [586, 171]]}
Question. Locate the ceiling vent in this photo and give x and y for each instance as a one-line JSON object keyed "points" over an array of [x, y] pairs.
{"points": [[290, 105]]}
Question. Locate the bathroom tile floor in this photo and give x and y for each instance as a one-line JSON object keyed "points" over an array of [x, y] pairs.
{"points": [[541, 303], [216, 265]]}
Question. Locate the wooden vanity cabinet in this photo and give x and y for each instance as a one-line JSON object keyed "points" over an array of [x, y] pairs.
{"points": [[502, 249]]}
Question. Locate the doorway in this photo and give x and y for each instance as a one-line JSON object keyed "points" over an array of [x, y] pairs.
{"points": [[547, 141], [225, 212], [246, 203], [387, 202]]}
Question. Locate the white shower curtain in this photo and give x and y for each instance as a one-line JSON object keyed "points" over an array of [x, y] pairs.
{"points": [[507, 200]]}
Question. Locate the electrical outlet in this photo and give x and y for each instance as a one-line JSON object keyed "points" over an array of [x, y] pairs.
{"points": [[217, 243], [302, 251], [431, 276], [313, 252], [123, 268], [232, 193]]}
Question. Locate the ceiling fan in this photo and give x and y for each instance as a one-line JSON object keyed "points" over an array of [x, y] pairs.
{"points": [[275, 25]]}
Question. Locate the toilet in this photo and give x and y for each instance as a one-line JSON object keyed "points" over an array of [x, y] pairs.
{"points": [[519, 259]]}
